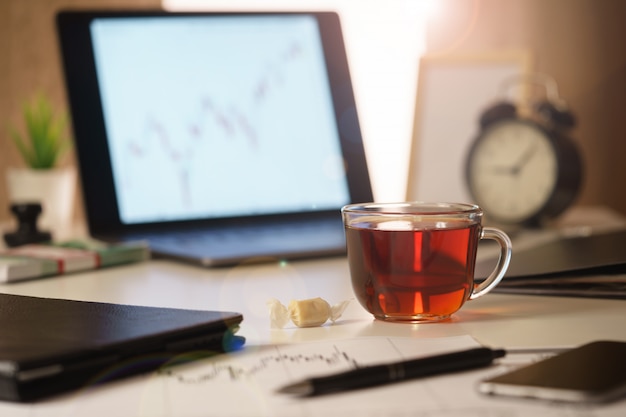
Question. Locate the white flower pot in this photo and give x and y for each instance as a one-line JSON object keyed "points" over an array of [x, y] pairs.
{"points": [[55, 189]]}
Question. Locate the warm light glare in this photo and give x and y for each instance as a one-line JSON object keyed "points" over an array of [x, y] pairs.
{"points": [[429, 8], [384, 40]]}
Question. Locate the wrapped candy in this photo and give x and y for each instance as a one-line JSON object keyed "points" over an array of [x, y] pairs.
{"points": [[311, 312]]}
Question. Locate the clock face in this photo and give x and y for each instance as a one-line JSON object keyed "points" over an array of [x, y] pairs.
{"points": [[512, 170]]}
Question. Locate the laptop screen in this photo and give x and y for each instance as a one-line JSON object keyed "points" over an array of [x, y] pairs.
{"points": [[217, 116], [210, 118]]}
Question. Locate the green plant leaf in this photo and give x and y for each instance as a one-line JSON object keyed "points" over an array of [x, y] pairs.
{"points": [[22, 147], [45, 140]]}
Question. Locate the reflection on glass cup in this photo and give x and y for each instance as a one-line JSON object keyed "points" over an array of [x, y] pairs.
{"points": [[414, 262]]}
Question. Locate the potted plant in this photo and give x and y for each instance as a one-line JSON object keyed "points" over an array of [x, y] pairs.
{"points": [[42, 143]]}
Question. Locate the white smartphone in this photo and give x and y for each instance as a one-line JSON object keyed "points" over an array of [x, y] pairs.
{"points": [[595, 372]]}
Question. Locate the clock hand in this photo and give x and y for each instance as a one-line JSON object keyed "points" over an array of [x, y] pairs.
{"points": [[523, 160], [503, 170]]}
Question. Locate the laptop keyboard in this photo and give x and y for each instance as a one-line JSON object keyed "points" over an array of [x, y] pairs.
{"points": [[281, 240], [252, 233]]}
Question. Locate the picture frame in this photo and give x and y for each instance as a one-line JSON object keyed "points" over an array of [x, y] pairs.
{"points": [[452, 92]]}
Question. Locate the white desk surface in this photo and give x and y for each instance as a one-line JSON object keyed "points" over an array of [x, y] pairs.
{"points": [[495, 320]]}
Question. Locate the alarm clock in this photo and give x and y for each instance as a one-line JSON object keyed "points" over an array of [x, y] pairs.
{"points": [[523, 168]]}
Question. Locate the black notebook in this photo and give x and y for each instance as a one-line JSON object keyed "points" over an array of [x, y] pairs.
{"points": [[582, 266], [48, 346], [586, 254]]}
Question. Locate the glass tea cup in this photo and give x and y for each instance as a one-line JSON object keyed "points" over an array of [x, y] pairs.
{"points": [[414, 261]]}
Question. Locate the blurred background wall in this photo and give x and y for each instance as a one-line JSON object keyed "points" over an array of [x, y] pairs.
{"points": [[578, 42], [30, 63]]}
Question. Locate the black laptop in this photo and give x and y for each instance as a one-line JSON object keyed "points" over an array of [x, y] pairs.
{"points": [[218, 138]]}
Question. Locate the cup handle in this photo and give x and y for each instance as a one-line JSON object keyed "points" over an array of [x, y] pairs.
{"points": [[503, 262]]}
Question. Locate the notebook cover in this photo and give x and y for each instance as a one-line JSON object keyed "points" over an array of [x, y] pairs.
{"points": [[52, 345], [588, 254]]}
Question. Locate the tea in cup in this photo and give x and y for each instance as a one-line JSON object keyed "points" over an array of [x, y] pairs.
{"points": [[414, 262]]}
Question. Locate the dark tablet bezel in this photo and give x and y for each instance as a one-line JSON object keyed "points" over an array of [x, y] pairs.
{"points": [[99, 198]]}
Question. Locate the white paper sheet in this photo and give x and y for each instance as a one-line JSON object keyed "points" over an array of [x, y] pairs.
{"points": [[244, 384]]}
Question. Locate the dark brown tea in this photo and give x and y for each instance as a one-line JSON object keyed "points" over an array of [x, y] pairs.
{"points": [[412, 274]]}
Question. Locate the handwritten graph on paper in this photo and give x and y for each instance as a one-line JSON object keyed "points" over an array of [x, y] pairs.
{"points": [[244, 384], [275, 358], [254, 374], [210, 119]]}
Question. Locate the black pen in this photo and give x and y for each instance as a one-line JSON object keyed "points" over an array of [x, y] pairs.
{"points": [[370, 376]]}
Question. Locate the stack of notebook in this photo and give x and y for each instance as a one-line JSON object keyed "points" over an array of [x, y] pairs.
{"points": [[43, 260]]}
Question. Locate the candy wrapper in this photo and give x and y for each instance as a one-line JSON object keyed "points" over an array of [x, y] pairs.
{"points": [[311, 312]]}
